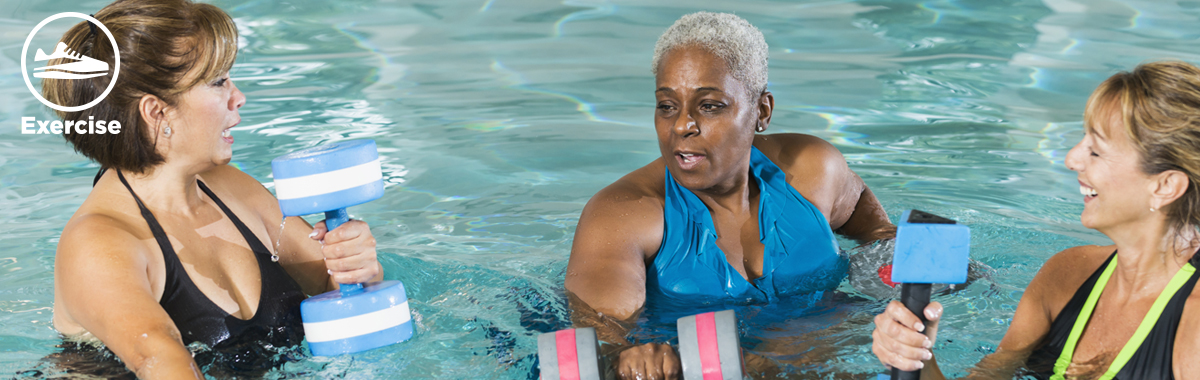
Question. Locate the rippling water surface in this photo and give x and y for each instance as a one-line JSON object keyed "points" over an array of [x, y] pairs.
{"points": [[498, 119]]}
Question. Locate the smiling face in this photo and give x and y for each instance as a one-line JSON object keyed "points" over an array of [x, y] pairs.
{"points": [[704, 119], [1116, 191], [203, 117]]}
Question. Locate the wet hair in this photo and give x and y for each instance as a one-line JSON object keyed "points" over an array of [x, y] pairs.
{"points": [[166, 47], [1159, 104], [725, 35]]}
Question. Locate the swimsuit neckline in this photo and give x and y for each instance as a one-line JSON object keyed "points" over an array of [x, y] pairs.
{"points": [[149, 215], [1139, 336]]}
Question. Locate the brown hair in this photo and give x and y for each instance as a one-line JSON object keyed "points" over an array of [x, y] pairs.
{"points": [[1159, 103], [166, 47]]}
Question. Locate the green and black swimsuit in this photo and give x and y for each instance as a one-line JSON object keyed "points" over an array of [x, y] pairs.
{"points": [[1147, 355]]}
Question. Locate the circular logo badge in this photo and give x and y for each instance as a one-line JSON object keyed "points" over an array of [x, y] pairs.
{"points": [[78, 66]]}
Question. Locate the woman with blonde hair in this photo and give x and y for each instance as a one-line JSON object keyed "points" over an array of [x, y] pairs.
{"points": [[173, 245], [1121, 311]]}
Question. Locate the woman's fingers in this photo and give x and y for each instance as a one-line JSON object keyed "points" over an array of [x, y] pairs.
{"points": [[349, 251], [898, 312], [898, 340], [933, 313], [349, 231], [349, 240], [904, 327], [890, 353], [354, 276], [672, 368], [649, 361], [632, 364], [318, 232]]}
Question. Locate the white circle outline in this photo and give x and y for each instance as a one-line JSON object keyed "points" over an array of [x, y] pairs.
{"points": [[116, 58]]}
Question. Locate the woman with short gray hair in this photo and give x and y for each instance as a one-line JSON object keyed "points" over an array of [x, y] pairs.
{"points": [[727, 215]]}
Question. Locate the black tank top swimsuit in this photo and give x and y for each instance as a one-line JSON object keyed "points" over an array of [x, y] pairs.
{"points": [[239, 348], [1152, 360], [277, 320]]}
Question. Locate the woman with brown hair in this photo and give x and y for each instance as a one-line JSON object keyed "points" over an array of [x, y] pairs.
{"points": [[173, 246], [1122, 311]]}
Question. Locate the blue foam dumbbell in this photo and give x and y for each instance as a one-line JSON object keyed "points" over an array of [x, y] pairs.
{"points": [[328, 179], [929, 249]]}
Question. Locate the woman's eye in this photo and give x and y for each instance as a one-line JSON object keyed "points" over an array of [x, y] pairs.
{"points": [[665, 107], [1093, 153], [220, 82]]}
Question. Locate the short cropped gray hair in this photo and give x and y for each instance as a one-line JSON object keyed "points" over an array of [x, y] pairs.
{"points": [[725, 35]]}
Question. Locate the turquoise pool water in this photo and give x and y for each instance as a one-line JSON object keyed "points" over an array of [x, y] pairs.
{"points": [[498, 119]]}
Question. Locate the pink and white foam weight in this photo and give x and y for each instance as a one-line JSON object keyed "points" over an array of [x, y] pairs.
{"points": [[571, 354], [709, 346]]}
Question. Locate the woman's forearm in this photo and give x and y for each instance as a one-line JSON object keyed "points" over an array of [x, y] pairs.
{"points": [[162, 358]]}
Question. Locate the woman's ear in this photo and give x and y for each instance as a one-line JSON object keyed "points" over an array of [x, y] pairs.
{"points": [[1168, 187], [153, 110], [766, 105]]}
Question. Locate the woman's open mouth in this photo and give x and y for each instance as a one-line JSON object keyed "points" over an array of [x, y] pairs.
{"points": [[689, 161], [1088, 192]]}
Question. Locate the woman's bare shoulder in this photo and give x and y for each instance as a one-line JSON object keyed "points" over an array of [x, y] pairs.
{"points": [[1062, 275], [101, 241], [1076, 262], [790, 149], [233, 180], [641, 189], [238, 188], [629, 210], [108, 214]]}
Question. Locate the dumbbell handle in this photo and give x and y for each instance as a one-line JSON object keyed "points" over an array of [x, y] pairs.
{"points": [[914, 297], [336, 218]]}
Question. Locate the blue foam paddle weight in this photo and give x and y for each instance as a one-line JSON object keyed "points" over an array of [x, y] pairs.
{"points": [[929, 249], [328, 179]]}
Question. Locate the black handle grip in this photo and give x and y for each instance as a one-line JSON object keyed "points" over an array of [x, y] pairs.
{"points": [[914, 297]]}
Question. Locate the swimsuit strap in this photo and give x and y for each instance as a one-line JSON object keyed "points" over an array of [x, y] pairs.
{"points": [[160, 236], [256, 245], [1143, 330]]}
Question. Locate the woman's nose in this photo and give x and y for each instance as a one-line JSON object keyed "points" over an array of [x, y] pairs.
{"points": [[1074, 158], [238, 99], [686, 125]]}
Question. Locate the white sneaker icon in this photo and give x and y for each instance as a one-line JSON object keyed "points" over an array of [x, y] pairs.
{"points": [[81, 67]]}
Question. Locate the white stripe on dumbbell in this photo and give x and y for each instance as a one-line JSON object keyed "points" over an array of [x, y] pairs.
{"points": [[363, 324], [328, 182]]}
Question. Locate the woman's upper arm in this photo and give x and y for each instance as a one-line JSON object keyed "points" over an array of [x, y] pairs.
{"points": [[607, 267], [820, 173], [102, 275], [301, 257]]}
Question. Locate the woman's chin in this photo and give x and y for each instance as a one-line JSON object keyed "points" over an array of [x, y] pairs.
{"points": [[1088, 220], [690, 180]]}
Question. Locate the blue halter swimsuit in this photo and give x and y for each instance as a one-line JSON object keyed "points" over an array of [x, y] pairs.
{"points": [[800, 254]]}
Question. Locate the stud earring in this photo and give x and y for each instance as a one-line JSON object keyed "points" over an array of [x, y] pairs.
{"points": [[167, 131], [759, 128]]}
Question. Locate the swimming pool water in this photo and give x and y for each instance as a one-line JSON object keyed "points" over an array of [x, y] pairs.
{"points": [[498, 119]]}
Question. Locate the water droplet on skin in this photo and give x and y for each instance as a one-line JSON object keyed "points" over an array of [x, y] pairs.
{"points": [[278, 240]]}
